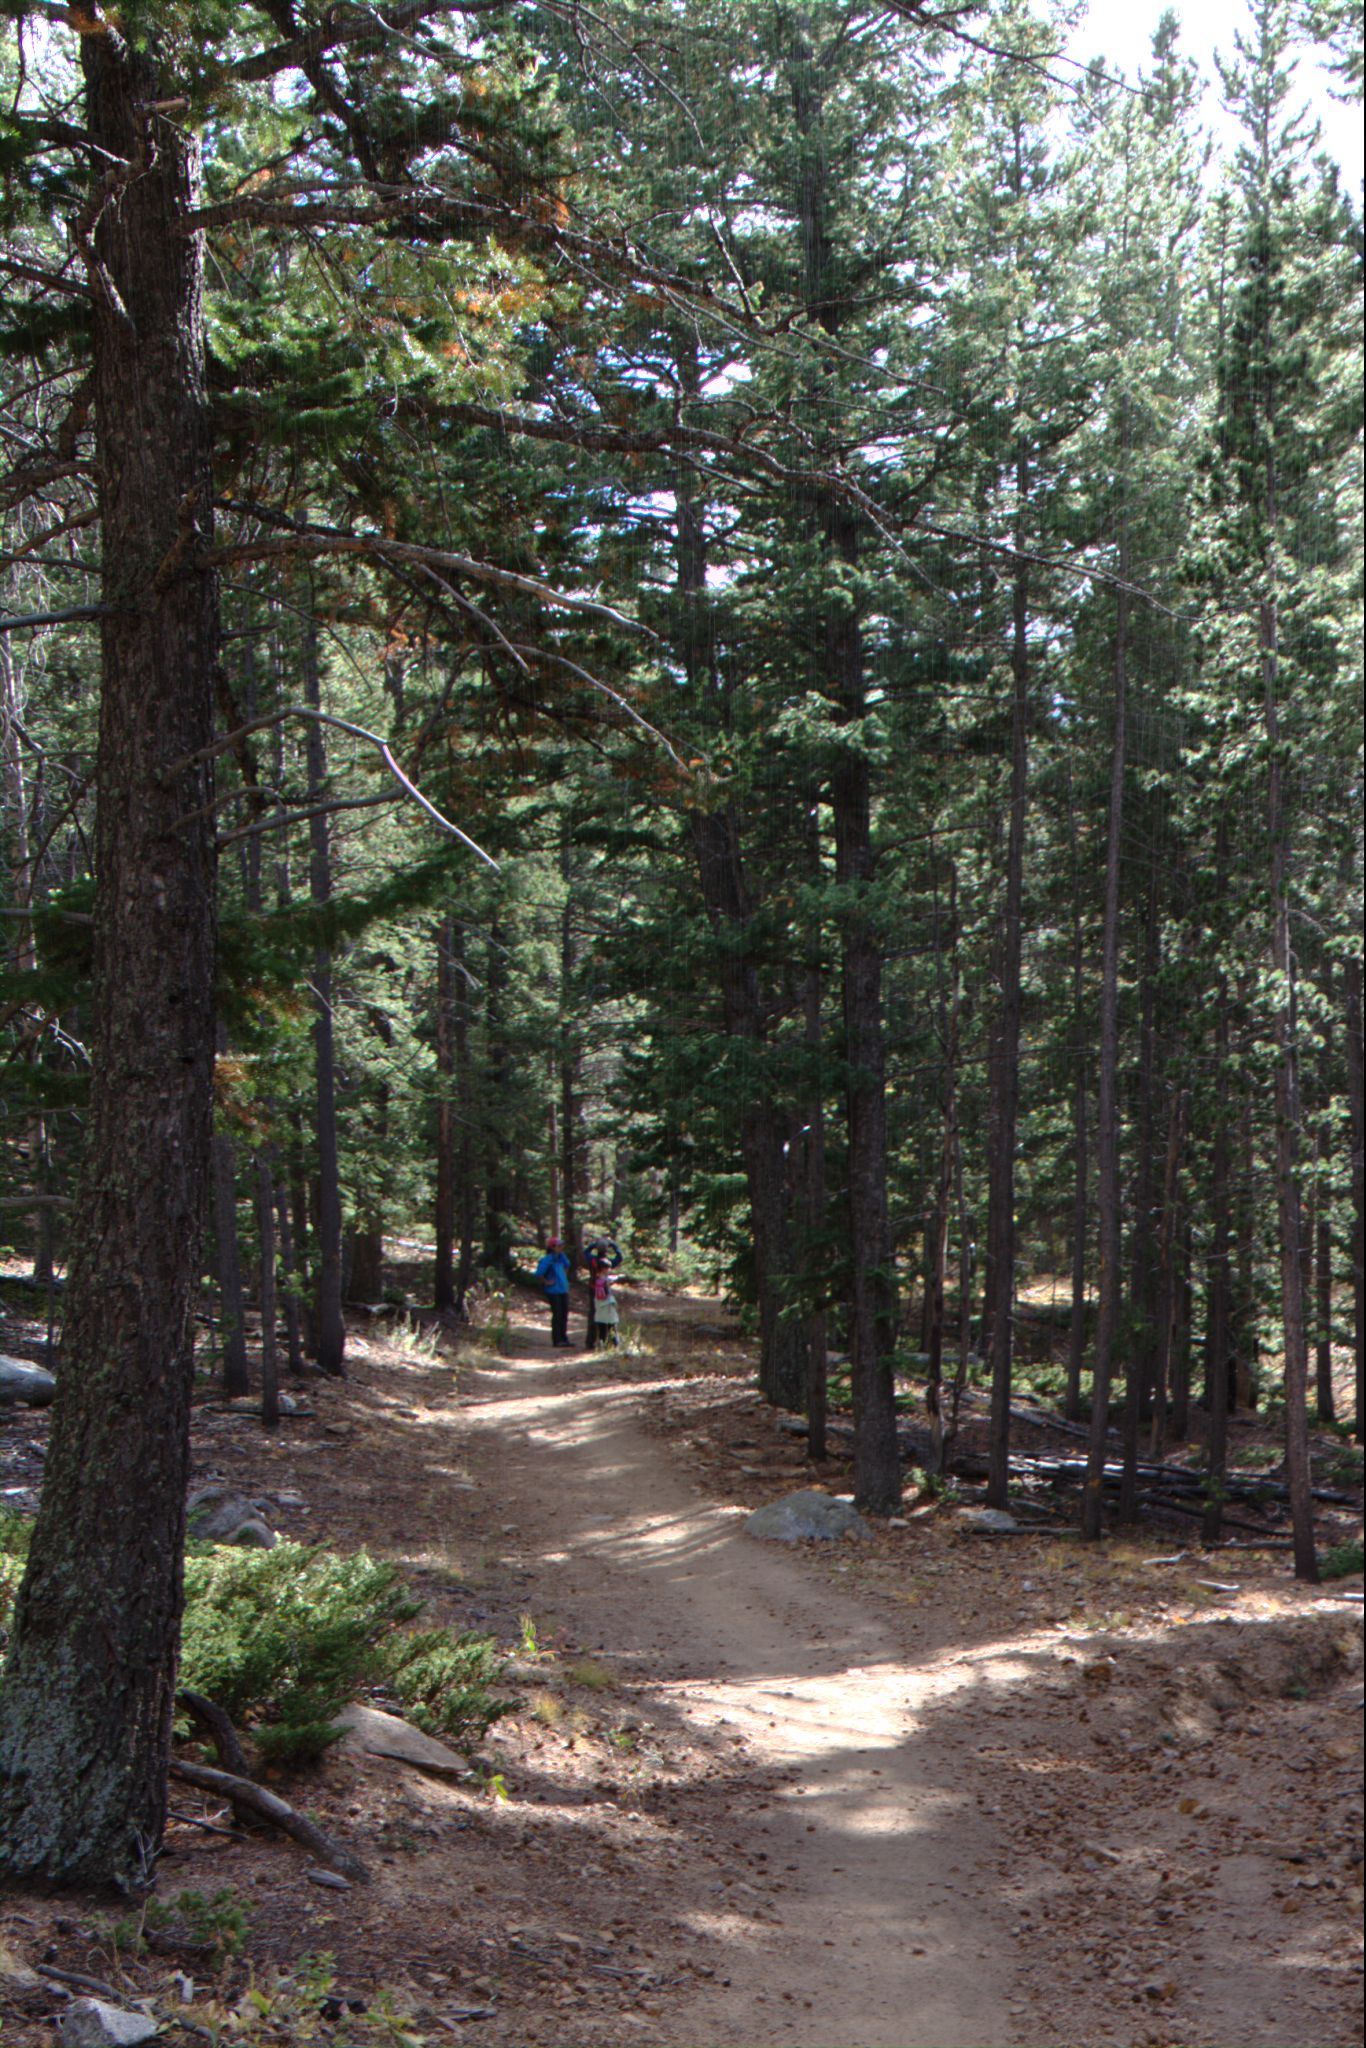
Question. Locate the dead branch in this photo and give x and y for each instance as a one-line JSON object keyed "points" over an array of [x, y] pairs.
{"points": [[217, 1725], [247, 1798]]}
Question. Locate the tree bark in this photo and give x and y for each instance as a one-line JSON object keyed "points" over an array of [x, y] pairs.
{"points": [[1356, 1100], [764, 1124], [1219, 1289], [89, 1688], [1287, 1078], [289, 1266], [466, 1199], [497, 1252], [1081, 1191], [1107, 1104], [329, 1327], [1167, 1289], [731, 906], [265, 1224], [872, 1305], [1005, 1078], [443, 1288], [1141, 1346], [1325, 1403]]}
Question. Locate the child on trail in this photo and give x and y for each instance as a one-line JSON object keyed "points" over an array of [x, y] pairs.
{"points": [[600, 1255], [606, 1315], [553, 1274]]}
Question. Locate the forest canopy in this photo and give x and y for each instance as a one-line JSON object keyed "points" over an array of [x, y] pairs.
{"points": [[732, 621]]}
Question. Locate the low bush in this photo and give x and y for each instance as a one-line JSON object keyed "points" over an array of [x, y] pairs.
{"points": [[1344, 1561], [285, 1639]]}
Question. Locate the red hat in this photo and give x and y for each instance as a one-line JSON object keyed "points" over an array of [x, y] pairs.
{"points": [[552, 1244]]}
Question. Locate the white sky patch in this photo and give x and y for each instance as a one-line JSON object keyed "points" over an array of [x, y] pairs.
{"points": [[1122, 34]]}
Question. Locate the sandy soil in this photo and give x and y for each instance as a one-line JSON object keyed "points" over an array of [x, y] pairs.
{"points": [[920, 1789]]}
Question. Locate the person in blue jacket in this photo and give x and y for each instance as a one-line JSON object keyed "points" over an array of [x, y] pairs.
{"points": [[553, 1274]]}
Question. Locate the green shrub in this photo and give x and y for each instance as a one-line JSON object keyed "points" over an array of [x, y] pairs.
{"points": [[285, 1639], [443, 1680], [1344, 1561]]}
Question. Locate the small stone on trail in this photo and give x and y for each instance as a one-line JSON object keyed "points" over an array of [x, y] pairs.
{"points": [[331, 1878], [91, 2023], [806, 1516]]}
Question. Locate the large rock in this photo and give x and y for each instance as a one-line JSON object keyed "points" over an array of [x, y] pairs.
{"points": [[29, 1385], [385, 1735], [805, 1517], [93, 2023], [987, 1522], [215, 1514]]}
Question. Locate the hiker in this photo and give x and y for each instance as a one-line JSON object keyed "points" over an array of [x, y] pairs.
{"points": [[606, 1315], [553, 1274], [600, 1255]]}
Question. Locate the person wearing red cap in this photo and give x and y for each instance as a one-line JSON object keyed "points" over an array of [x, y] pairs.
{"points": [[553, 1274]]}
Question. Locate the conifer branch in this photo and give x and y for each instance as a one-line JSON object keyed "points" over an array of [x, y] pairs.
{"points": [[34, 619], [232, 740], [349, 28], [325, 540], [50, 280]]}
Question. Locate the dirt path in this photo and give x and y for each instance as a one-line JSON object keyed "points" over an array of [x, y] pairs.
{"points": [[885, 1934], [1005, 1807], [911, 1792]]}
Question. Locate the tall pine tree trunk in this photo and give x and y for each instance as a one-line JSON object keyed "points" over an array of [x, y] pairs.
{"points": [[1356, 1102], [329, 1328], [872, 1303], [231, 1307], [497, 1250], [764, 1124], [1287, 1088], [1005, 1079], [265, 1224], [88, 1690], [1107, 1105], [443, 1289], [1081, 1190], [1138, 1364]]}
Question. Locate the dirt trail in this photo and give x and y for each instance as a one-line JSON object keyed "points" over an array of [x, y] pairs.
{"points": [[919, 1791], [1062, 1808], [886, 1935]]}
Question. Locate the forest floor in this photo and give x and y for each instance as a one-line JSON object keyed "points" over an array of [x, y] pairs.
{"points": [[910, 1791]]}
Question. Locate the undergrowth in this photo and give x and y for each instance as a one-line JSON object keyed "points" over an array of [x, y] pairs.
{"points": [[285, 1639]]}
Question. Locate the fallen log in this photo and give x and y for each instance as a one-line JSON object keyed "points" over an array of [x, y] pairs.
{"points": [[917, 1446], [246, 1798]]}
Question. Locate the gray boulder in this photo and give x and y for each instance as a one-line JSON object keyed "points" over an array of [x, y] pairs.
{"points": [[93, 2023], [29, 1385], [805, 1517], [386, 1735], [215, 1514], [987, 1522]]}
